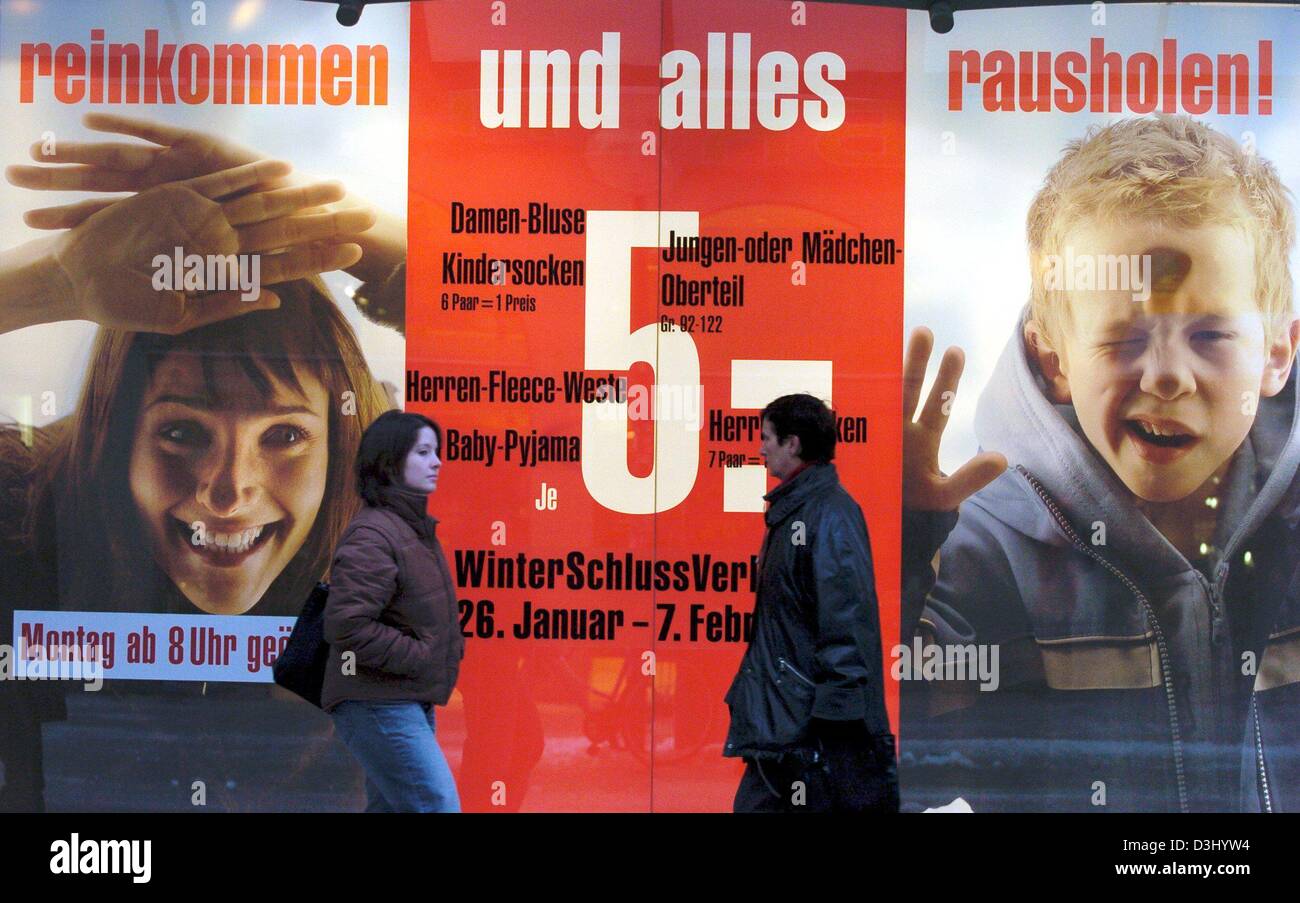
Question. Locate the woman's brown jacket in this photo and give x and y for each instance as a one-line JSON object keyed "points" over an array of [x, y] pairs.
{"points": [[392, 603]]}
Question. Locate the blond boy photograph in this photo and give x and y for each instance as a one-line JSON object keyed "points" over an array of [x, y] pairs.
{"points": [[1126, 537]]}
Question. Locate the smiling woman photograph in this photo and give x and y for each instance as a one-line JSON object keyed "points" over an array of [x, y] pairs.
{"points": [[210, 468], [213, 434], [206, 466]]}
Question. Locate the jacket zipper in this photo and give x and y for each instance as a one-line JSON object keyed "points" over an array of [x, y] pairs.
{"points": [[819, 754], [1261, 773], [793, 670], [1265, 797], [1162, 649], [1262, 789]]}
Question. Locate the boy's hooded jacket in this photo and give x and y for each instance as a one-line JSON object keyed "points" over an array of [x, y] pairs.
{"points": [[1127, 679]]}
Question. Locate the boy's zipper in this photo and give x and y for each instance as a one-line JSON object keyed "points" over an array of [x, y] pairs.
{"points": [[1162, 649], [793, 670], [1265, 796], [1218, 636], [1216, 610], [1215, 592], [1261, 771]]}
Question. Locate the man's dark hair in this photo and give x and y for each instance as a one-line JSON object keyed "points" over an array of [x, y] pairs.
{"points": [[808, 418], [381, 459]]}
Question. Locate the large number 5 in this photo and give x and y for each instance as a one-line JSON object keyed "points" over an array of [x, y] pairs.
{"points": [[611, 236]]}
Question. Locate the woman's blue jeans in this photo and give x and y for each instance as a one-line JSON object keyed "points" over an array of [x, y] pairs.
{"points": [[395, 744]]}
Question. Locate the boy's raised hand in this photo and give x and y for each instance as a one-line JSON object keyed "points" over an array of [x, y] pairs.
{"points": [[925, 487]]}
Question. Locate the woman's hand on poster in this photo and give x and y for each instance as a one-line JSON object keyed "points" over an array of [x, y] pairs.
{"points": [[118, 262], [925, 486], [175, 154]]}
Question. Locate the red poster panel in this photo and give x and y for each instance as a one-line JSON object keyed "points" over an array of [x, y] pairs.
{"points": [[807, 180], [631, 228]]}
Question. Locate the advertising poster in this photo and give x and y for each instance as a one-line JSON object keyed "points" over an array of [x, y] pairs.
{"points": [[203, 239], [632, 228], [1113, 622]]}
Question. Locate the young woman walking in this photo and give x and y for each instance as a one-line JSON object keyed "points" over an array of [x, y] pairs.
{"points": [[391, 621]]}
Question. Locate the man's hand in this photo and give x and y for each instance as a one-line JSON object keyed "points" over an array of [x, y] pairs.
{"points": [[861, 769], [925, 487]]}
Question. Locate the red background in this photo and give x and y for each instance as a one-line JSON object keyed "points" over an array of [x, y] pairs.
{"points": [[575, 725]]}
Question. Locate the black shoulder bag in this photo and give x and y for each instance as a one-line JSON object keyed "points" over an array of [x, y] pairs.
{"points": [[300, 668]]}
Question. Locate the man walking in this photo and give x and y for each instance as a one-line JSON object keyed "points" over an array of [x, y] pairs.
{"points": [[808, 706]]}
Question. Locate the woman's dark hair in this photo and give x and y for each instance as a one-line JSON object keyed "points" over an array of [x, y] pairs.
{"points": [[808, 418], [384, 447]]}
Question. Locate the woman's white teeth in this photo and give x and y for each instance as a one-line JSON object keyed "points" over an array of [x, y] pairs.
{"points": [[230, 543], [1154, 430]]}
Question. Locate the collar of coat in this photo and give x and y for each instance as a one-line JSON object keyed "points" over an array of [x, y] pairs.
{"points": [[411, 507], [787, 497]]}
